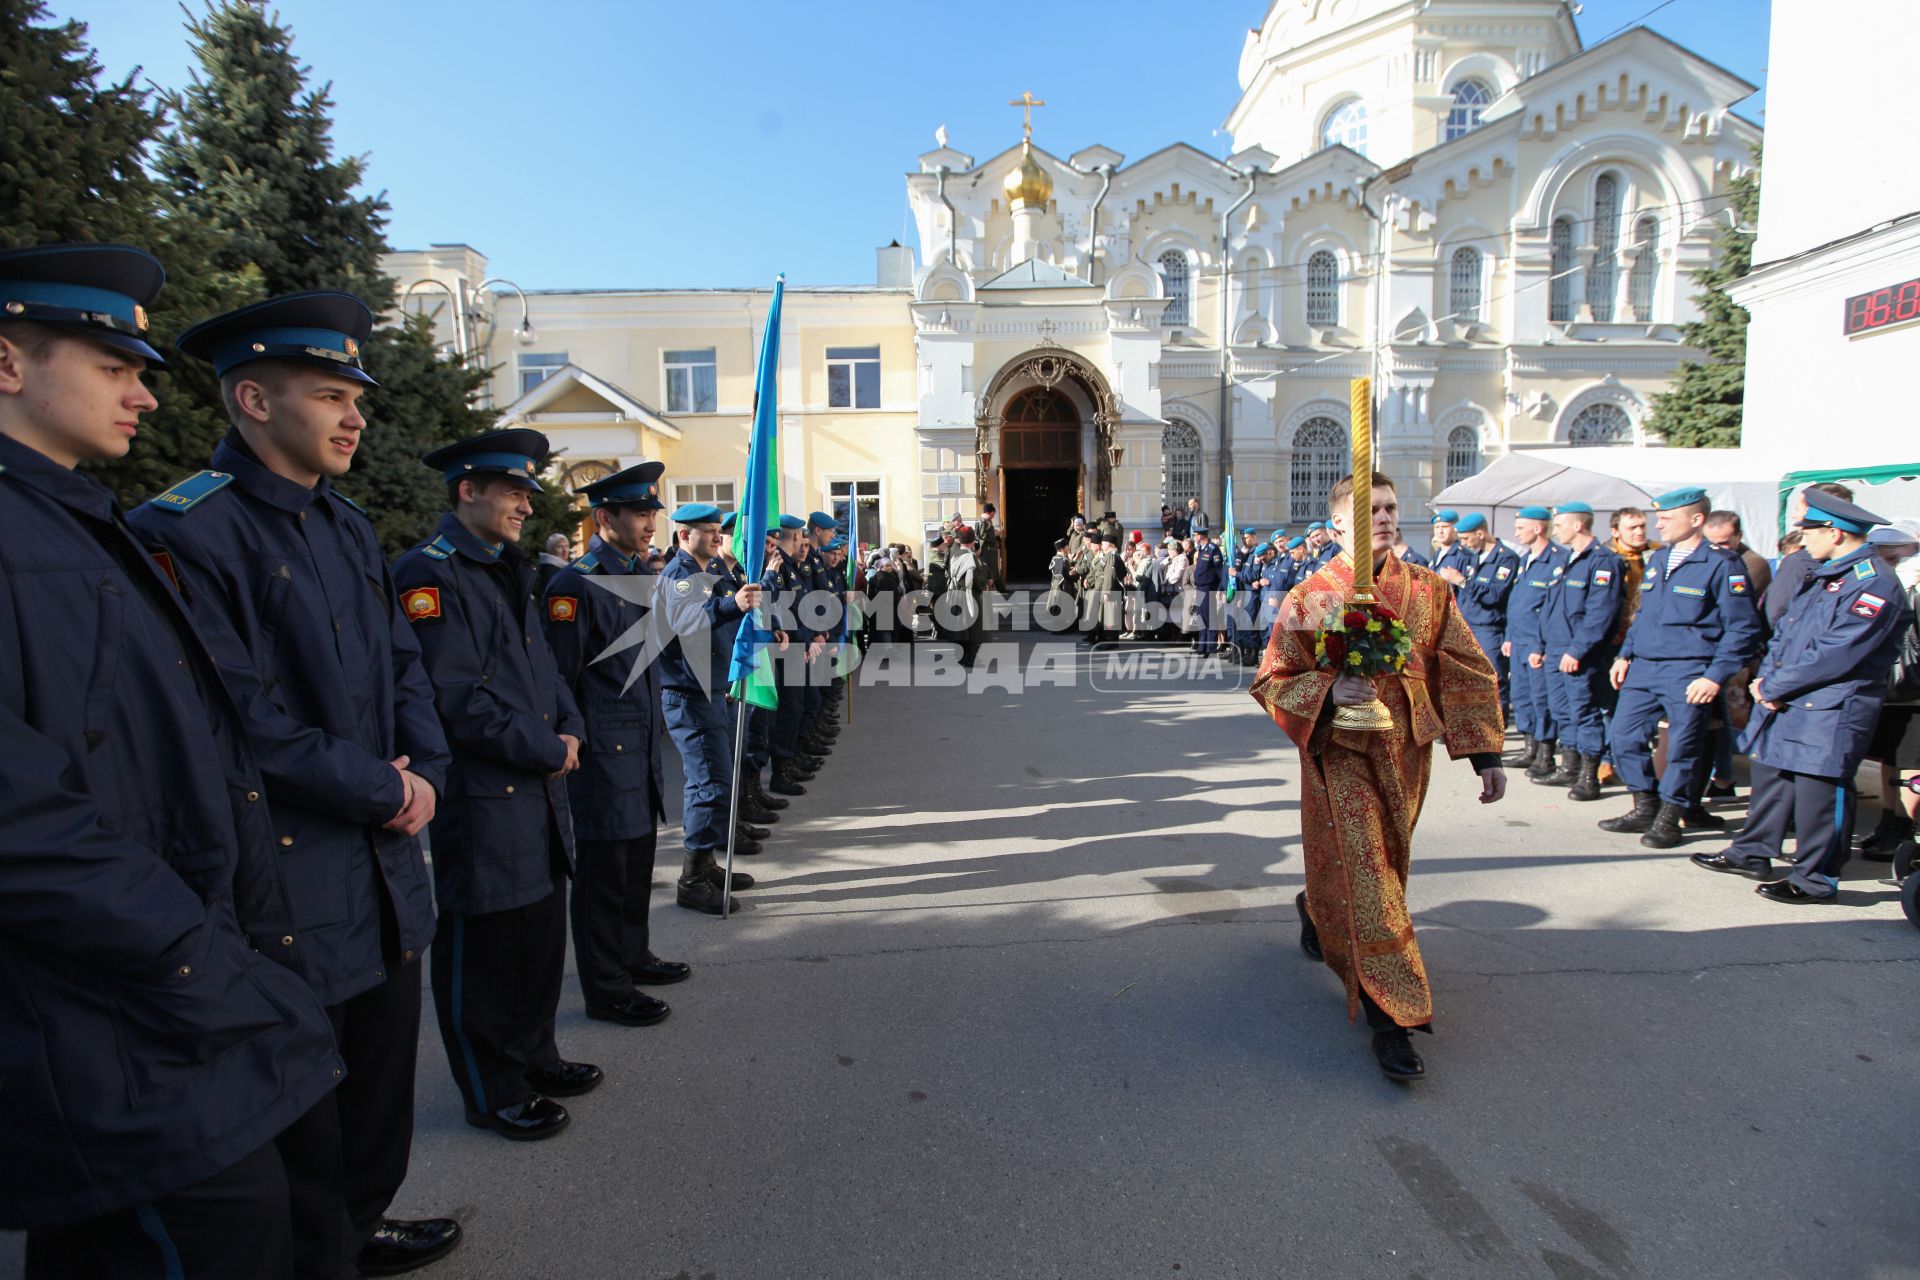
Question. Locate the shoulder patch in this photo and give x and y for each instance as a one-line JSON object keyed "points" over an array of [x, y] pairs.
{"points": [[1737, 583], [1601, 577], [587, 563], [439, 548], [349, 501], [1869, 605], [1865, 569], [563, 608], [421, 603], [682, 585], [1502, 573], [192, 491]]}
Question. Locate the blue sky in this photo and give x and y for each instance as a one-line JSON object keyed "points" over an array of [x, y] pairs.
{"points": [[602, 143]]}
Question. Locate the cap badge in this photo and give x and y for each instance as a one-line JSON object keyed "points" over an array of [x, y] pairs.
{"points": [[139, 317], [353, 348]]}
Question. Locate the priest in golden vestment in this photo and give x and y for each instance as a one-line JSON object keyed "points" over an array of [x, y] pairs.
{"points": [[1362, 791]]}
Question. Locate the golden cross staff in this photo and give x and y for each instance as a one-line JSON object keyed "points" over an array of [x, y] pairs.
{"points": [[1027, 102], [1368, 717]]}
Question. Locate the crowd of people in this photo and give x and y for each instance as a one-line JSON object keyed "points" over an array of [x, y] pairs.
{"points": [[230, 723]]}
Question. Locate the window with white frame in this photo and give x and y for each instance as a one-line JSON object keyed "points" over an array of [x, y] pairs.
{"points": [[1601, 424], [1173, 274], [1323, 289], [1606, 247], [535, 367], [1463, 285], [692, 384], [1319, 460], [1463, 453], [853, 377], [856, 505], [1470, 101], [1560, 292], [1646, 268], [1179, 463], [1346, 126], [719, 492]]}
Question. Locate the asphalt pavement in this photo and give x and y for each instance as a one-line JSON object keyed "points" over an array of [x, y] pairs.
{"points": [[1019, 995]]}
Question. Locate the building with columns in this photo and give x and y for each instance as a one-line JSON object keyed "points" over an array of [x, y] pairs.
{"points": [[1452, 196]]}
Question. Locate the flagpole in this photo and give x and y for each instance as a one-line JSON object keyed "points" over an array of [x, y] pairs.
{"points": [[733, 807]]}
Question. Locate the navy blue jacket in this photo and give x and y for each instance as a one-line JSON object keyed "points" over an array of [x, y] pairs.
{"points": [[1483, 601], [1209, 568], [148, 1038], [701, 619], [503, 706], [617, 791], [1583, 604], [288, 586], [1455, 556], [1532, 581], [1827, 666], [1702, 614], [1415, 557]]}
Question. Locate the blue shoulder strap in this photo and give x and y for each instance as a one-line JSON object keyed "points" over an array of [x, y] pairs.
{"points": [[439, 548], [349, 501], [192, 491], [587, 563]]}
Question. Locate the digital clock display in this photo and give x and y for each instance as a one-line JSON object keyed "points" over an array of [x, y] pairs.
{"points": [[1895, 304]]}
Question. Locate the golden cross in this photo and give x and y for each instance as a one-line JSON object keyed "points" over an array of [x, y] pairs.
{"points": [[1027, 102]]}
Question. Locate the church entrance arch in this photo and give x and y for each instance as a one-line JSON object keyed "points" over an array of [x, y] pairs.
{"points": [[1044, 440]]}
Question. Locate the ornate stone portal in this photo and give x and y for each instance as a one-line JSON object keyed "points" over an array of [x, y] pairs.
{"points": [[1049, 368]]}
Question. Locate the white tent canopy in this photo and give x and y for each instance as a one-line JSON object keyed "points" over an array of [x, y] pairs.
{"points": [[1607, 478]]}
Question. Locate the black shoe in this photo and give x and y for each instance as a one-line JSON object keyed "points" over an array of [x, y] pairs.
{"points": [[765, 801], [1664, 833], [634, 1010], [528, 1121], [1309, 936], [1542, 767], [752, 811], [661, 973], [399, 1246], [1894, 828], [1787, 891], [1698, 819], [1586, 783], [745, 847], [787, 785], [750, 832], [807, 765], [1721, 862], [814, 747], [741, 880], [1720, 791], [1395, 1054], [1646, 804], [703, 896], [565, 1079]]}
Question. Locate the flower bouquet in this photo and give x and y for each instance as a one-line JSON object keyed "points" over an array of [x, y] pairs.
{"points": [[1365, 638]]}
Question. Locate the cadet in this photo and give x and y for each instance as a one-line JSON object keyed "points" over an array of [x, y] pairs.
{"points": [[783, 586], [285, 580], [1209, 576], [1057, 567], [1483, 596], [1817, 698], [816, 733], [154, 1024], [617, 793], [1103, 583], [1451, 559], [1525, 650], [989, 526], [701, 617], [1577, 626], [503, 836], [1696, 626]]}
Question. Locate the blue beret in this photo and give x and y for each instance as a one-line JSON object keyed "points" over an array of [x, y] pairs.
{"points": [[1446, 515], [1535, 513], [837, 543], [638, 486], [726, 521], [788, 523], [1679, 498], [99, 290], [1471, 521], [1295, 542], [696, 513], [821, 520], [321, 328], [1315, 525], [1575, 509], [517, 453], [1823, 509]]}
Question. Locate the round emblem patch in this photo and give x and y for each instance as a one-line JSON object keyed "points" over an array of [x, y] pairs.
{"points": [[683, 586]]}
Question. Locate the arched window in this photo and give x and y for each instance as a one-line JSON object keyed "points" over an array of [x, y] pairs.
{"points": [[1470, 101], [1646, 268], [1601, 424], [1179, 463], [1323, 289], [1346, 125], [1463, 285], [1606, 247], [1463, 453], [1319, 460], [1173, 274], [1560, 292]]}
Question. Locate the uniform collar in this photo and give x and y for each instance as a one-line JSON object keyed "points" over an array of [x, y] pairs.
{"points": [[235, 456], [1840, 564], [467, 544], [70, 488]]}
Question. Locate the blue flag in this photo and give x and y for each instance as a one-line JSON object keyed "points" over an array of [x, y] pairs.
{"points": [[751, 671]]}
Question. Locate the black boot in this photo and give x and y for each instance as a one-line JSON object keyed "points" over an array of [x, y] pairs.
{"points": [[1645, 805], [798, 769], [1393, 1050], [699, 887], [1895, 829], [1524, 756], [815, 747], [1698, 819], [1586, 783], [717, 877], [1567, 774], [752, 809], [1665, 831], [1542, 766], [1309, 936], [750, 833], [765, 801]]}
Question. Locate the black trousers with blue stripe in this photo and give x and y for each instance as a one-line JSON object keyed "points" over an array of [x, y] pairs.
{"points": [[496, 987], [1822, 812]]}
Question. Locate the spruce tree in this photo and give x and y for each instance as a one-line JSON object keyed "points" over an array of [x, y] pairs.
{"points": [[73, 151], [253, 157], [1703, 408]]}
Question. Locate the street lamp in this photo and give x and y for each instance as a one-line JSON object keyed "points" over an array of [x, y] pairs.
{"points": [[473, 319]]}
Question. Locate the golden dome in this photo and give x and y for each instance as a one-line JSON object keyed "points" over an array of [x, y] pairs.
{"points": [[1028, 183]]}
